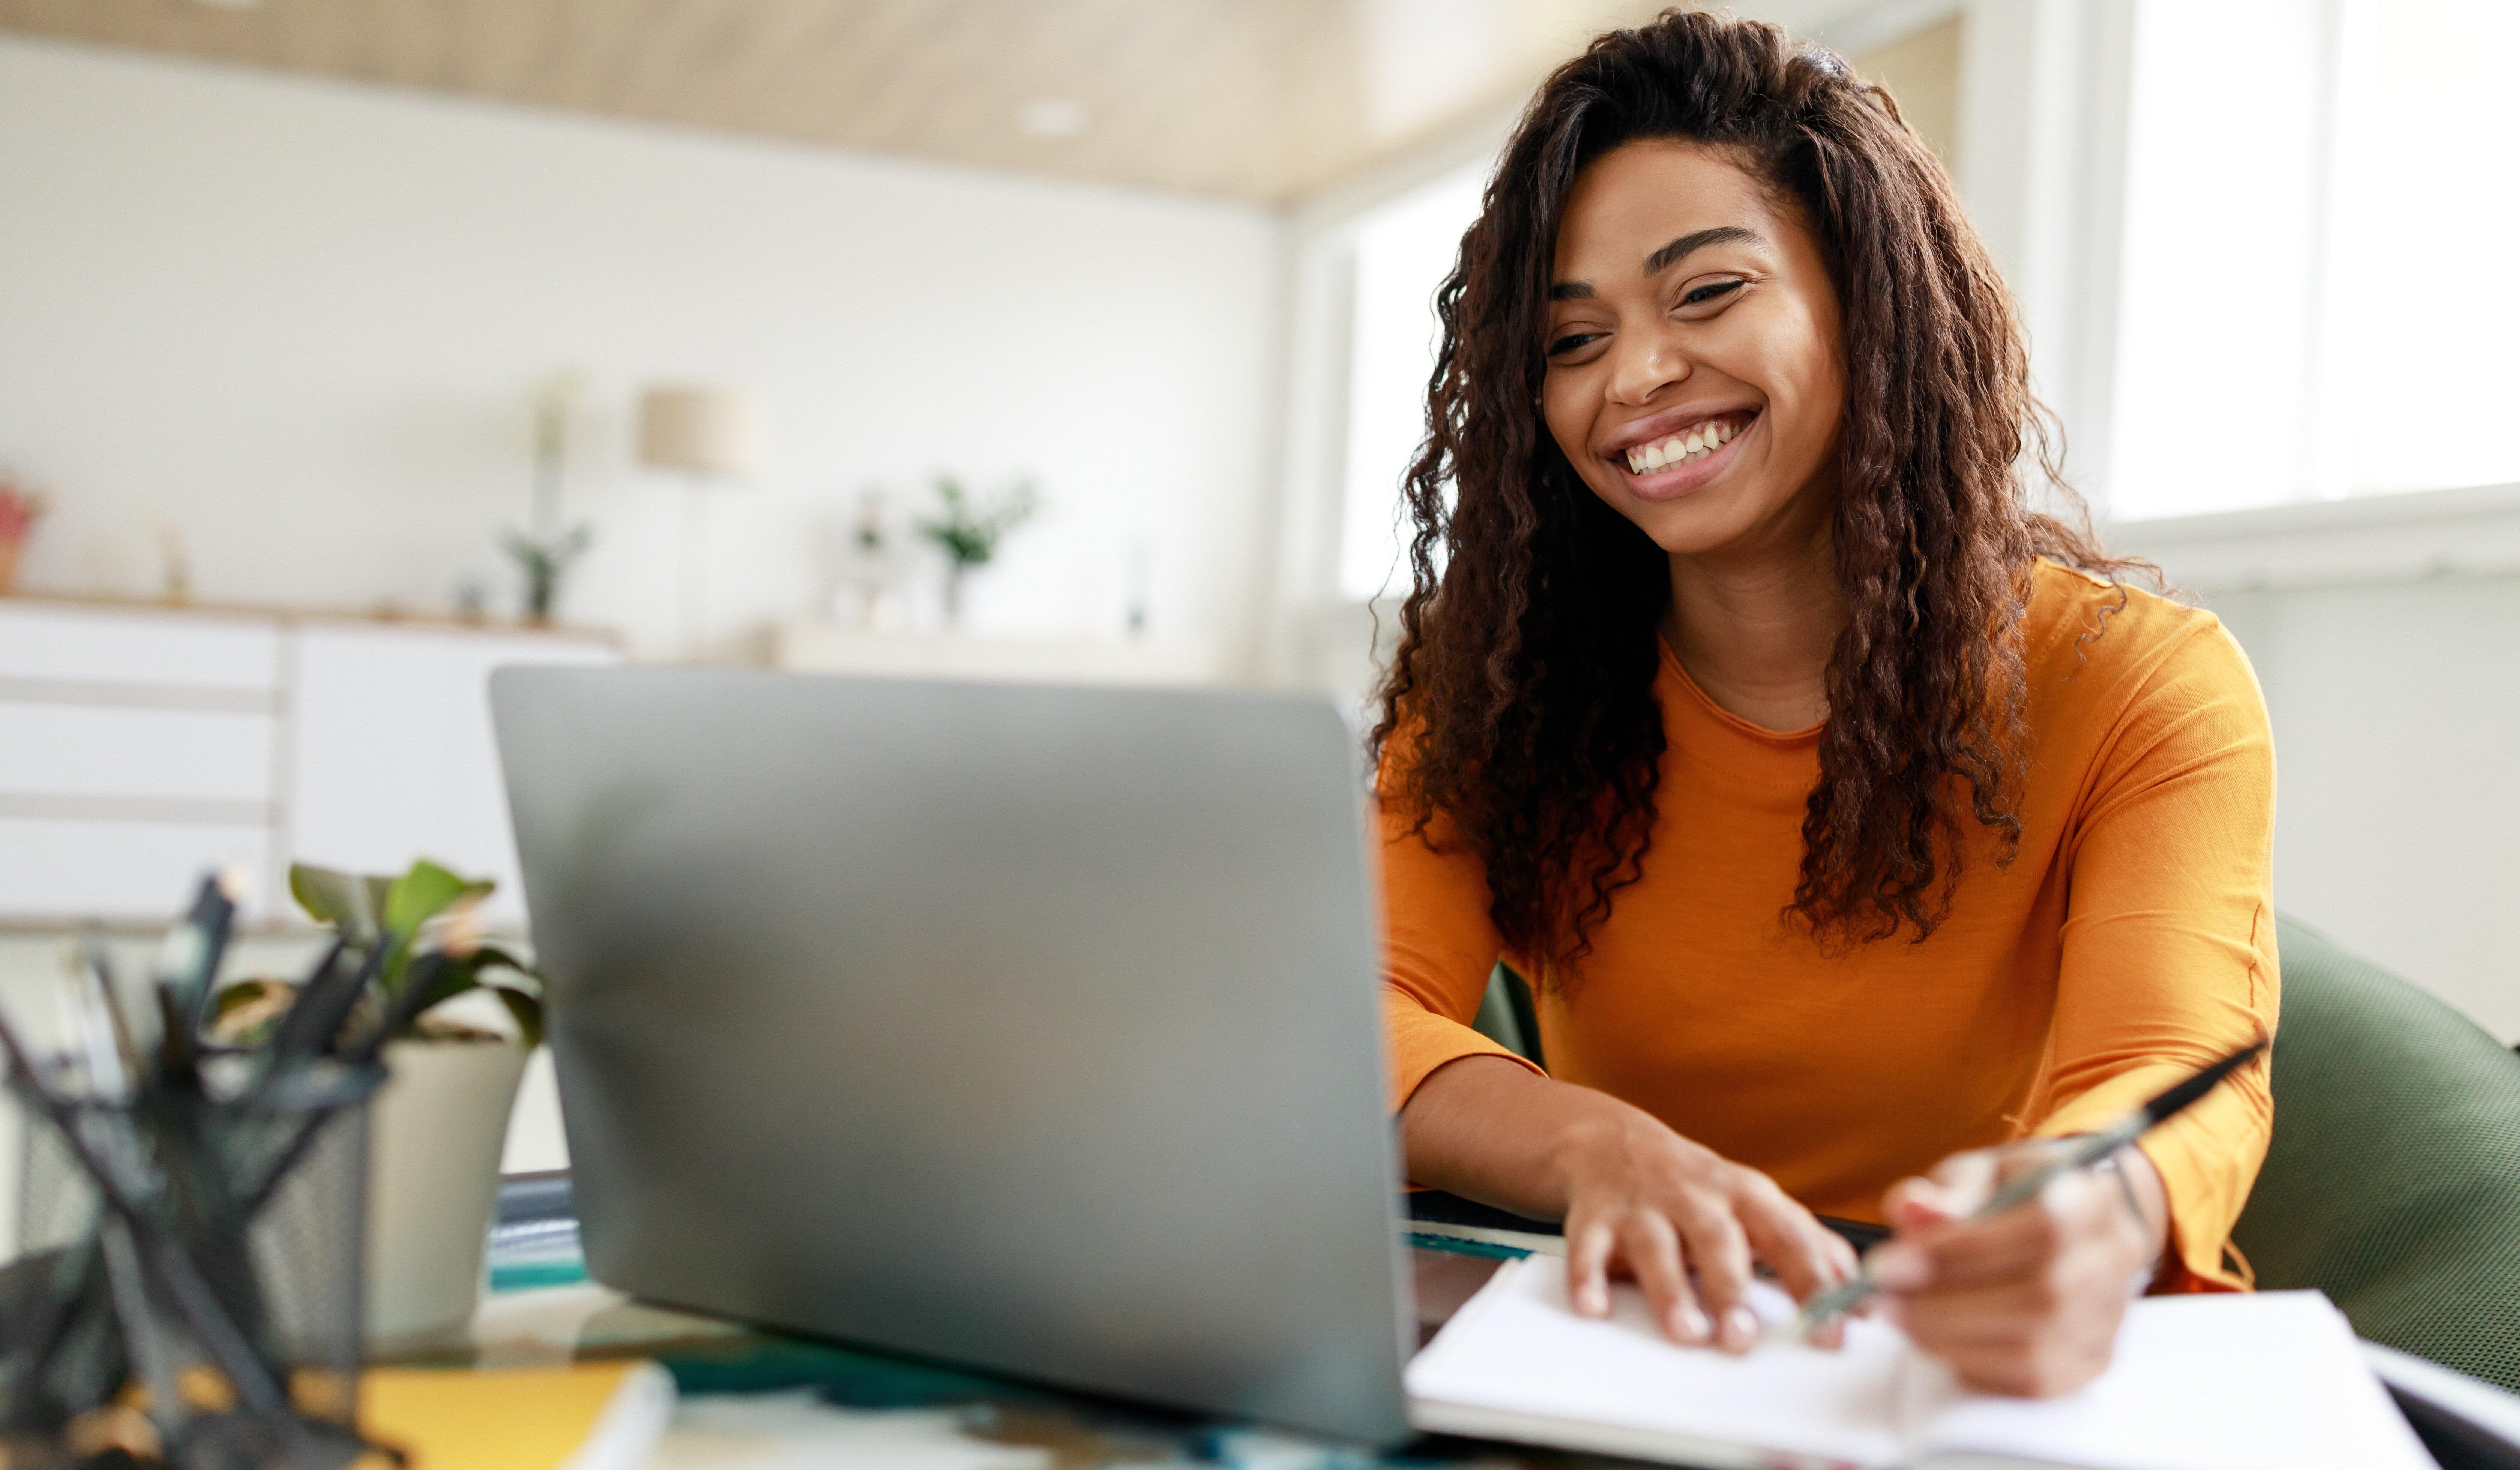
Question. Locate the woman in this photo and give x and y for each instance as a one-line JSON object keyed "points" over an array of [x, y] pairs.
{"points": [[1856, 829]]}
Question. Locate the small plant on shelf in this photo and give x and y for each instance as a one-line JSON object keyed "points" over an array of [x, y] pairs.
{"points": [[969, 532], [544, 551], [21, 507]]}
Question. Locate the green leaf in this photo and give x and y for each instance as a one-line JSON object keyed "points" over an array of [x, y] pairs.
{"points": [[246, 1012], [442, 978], [528, 1011], [490, 956], [423, 893], [337, 899]]}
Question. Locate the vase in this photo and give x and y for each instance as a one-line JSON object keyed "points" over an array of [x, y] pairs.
{"points": [[439, 1127], [9, 551]]}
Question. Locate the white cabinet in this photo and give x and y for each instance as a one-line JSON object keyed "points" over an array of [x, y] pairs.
{"points": [[55, 869], [395, 756], [209, 758], [140, 747], [144, 652]]}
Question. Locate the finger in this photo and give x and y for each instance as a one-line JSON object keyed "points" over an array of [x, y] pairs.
{"points": [[1651, 1249], [1587, 1265], [1934, 1254], [2022, 1241], [1913, 1203], [1990, 1317], [1953, 1189], [1970, 1169], [1720, 1252], [1785, 1235], [2012, 1246], [1848, 1259], [1843, 1265]]}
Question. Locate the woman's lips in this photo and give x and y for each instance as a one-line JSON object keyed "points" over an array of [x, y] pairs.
{"points": [[1673, 480]]}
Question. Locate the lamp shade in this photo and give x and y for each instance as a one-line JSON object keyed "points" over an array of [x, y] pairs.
{"points": [[704, 430]]}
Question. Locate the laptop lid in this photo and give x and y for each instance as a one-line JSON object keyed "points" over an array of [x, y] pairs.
{"points": [[1033, 1028]]}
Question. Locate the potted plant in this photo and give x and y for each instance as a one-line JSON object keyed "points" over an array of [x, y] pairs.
{"points": [[439, 1125], [544, 551], [970, 533], [20, 509]]}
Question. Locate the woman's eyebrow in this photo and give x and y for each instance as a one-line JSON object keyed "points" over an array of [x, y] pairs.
{"points": [[1672, 253], [1665, 259]]}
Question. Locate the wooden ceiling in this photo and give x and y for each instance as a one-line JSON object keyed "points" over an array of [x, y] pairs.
{"points": [[1261, 100]]}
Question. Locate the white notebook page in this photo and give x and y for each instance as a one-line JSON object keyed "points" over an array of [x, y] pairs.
{"points": [[2198, 1383], [1519, 1347], [2264, 1382]]}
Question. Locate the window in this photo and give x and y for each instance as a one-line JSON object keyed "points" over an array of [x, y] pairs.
{"points": [[1403, 252], [2316, 299]]}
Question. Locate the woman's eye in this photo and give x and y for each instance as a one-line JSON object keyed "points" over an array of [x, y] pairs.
{"points": [[1570, 341], [1712, 290]]}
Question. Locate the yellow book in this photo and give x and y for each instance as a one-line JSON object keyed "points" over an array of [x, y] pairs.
{"points": [[588, 1416]]}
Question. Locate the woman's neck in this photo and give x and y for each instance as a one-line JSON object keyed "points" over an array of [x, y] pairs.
{"points": [[1754, 629]]}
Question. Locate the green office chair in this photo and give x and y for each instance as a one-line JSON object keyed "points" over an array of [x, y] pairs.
{"points": [[2393, 1184]]}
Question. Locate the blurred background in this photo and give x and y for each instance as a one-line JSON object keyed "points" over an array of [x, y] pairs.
{"points": [[349, 348]]}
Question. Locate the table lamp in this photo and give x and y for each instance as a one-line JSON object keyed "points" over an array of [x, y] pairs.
{"points": [[711, 435]]}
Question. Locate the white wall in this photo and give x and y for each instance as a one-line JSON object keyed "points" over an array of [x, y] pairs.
{"points": [[296, 323], [2381, 632]]}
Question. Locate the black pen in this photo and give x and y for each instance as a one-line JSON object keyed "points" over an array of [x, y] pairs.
{"points": [[2078, 1153], [188, 966]]}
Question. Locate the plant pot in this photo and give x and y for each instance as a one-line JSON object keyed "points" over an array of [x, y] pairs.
{"points": [[432, 1181]]}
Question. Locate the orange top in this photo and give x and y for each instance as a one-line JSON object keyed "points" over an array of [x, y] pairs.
{"points": [[2130, 941]]}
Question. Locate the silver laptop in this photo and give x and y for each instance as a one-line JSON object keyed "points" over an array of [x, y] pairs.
{"points": [[1030, 1028]]}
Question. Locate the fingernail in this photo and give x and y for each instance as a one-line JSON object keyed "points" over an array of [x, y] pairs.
{"points": [[1740, 1329], [1594, 1300], [1690, 1324], [1899, 1267]]}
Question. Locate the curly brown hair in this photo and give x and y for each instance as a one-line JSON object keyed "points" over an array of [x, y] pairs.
{"points": [[1521, 697]]}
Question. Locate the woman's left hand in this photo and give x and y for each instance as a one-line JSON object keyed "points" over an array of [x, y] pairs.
{"points": [[2029, 1301]]}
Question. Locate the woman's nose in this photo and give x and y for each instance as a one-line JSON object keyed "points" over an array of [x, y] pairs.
{"points": [[1645, 364]]}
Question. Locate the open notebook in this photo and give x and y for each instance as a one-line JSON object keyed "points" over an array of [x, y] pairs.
{"points": [[2198, 1383]]}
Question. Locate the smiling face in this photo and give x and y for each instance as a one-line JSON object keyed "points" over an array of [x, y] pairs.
{"points": [[1693, 368]]}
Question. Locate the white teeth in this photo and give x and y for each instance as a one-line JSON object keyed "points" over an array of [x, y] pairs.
{"points": [[1695, 444]]}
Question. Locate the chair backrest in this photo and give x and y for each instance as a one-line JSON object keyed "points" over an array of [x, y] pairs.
{"points": [[2393, 1184]]}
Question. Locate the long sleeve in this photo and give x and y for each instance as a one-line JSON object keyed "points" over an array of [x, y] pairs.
{"points": [[1440, 947], [2169, 948]]}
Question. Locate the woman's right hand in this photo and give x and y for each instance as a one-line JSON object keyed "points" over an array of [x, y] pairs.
{"points": [[1640, 1201]]}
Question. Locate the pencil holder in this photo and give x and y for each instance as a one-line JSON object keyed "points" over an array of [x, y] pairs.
{"points": [[189, 1283]]}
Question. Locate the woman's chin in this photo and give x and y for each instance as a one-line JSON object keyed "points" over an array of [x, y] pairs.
{"points": [[1702, 522]]}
